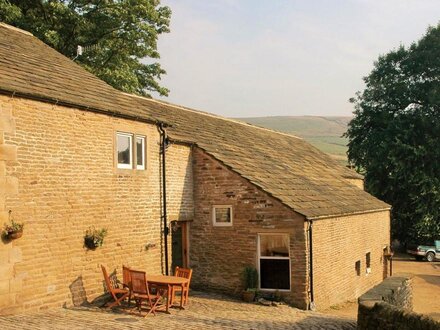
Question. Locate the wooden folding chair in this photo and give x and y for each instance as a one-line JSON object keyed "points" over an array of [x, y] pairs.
{"points": [[185, 273], [114, 290], [141, 292], [126, 281]]}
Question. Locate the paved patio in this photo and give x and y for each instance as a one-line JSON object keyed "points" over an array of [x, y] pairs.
{"points": [[205, 311]]}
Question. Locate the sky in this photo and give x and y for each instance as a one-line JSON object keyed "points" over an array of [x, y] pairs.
{"points": [[253, 58]]}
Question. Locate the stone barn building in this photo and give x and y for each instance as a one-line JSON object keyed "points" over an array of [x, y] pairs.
{"points": [[76, 153]]}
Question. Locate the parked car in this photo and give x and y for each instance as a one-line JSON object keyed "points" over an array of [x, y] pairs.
{"points": [[430, 252]]}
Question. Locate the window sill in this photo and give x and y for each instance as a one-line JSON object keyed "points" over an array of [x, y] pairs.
{"points": [[129, 172], [274, 290]]}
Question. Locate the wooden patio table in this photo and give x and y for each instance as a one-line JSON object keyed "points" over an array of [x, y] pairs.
{"points": [[169, 281]]}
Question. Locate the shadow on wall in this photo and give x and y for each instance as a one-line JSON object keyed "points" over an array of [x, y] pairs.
{"points": [[79, 294], [177, 208]]}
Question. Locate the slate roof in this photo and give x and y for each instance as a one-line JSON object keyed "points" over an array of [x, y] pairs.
{"points": [[288, 168]]}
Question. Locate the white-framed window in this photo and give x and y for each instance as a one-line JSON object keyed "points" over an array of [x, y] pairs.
{"points": [[140, 152], [124, 148], [274, 261], [131, 151], [222, 215]]}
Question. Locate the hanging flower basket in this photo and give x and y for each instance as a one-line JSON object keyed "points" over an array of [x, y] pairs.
{"points": [[15, 234], [13, 230], [94, 238], [90, 243]]}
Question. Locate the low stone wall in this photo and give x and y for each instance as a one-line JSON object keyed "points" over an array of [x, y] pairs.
{"points": [[389, 306]]}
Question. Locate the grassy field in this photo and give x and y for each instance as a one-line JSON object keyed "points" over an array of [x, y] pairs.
{"points": [[325, 133]]}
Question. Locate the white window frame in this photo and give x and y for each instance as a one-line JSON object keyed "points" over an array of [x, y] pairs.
{"points": [[120, 165], [214, 218], [143, 138], [259, 257]]}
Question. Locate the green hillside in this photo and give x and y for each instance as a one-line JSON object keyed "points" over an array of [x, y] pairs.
{"points": [[325, 133]]}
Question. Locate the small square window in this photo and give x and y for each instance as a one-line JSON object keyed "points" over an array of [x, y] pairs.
{"points": [[222, 215], [140, 152], [357, 267], [124, 147]]}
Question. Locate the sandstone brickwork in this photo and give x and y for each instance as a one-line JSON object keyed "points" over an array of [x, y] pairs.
{"points": [[219, 254], [10, 253], [58, 175], [65, 164], [337, 244]]}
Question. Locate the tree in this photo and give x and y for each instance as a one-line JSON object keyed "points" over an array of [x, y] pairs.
{"points": [[118, 36], [394, 138]]}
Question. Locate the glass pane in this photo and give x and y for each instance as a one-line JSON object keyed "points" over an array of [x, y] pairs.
{"points": [[140, 151], [222, 214], [274, 274], [274, 245], [124, 152]]}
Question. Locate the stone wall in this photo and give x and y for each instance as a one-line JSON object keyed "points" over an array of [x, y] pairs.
{"points": [[395, 290], [218, 255], [65, 164], [338, 243], [10, 253], [389, 306]]}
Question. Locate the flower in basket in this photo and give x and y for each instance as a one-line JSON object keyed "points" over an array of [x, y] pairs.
{"points": [[13, 229], [94, 238]]}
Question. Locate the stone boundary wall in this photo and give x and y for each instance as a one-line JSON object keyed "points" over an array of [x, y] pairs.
{"points": [[389, 306]]}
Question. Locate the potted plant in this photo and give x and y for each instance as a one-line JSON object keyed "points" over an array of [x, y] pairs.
{"points": [[94, 238], [250, 282], [14, 229]]}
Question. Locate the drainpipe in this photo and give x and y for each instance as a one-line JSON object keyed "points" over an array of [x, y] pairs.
{"points": [[312, 301], [163, 145]]}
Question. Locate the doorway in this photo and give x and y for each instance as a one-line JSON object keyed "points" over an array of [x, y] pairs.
{"points": [[179, 243], [385, 263]]}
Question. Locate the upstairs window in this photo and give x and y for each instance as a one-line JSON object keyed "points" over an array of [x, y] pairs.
{"points": [[125, 150], [131, 151]]}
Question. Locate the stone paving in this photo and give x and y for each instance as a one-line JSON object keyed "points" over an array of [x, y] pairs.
{"points": [[205, 311]]}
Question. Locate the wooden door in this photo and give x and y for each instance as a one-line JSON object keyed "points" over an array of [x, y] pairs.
{"points": [[385, 263], [179, 241]]}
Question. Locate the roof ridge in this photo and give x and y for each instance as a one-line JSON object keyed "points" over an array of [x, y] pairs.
{"points": [[10, 27], [212, 115]]}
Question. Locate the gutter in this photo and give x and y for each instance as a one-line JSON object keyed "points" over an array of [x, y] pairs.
{"points": [[76, 106], [319, 217], [163, 145]]}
